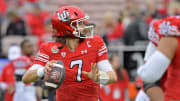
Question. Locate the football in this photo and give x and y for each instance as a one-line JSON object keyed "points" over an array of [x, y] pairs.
{"points": [[55, 78]]}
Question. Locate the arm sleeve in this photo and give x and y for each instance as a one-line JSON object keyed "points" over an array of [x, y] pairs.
{"points": [[104, 66], [151, 48], [42, 56], [101, 50], [154, 68]]}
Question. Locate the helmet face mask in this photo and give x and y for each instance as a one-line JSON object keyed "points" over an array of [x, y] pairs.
{"points": [[82, 30], [71, 21]]}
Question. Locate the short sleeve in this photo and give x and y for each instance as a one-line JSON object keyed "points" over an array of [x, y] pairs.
{"points": [[170, 26], [42, 56], [153, 36], [101, 49]]}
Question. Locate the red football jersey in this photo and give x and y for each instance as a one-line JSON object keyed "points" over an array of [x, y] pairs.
{"points": [[173, 81], [20, 65], [76, 87], [169, 26]]}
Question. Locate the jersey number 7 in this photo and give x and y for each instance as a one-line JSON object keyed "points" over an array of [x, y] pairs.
{"points": [[79, 63]]}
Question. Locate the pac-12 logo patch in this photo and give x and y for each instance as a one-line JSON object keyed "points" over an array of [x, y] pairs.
{"points": [[63, 54], [55, 49]]}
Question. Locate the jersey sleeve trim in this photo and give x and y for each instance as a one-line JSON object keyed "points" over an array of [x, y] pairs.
{"points": [[44, 56], [42, 59], [102, 50]]}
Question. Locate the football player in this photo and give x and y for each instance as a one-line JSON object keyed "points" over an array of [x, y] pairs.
{"points": [[13, 72], [24, 92], [164, 57], [84, 56], [153, 90]]}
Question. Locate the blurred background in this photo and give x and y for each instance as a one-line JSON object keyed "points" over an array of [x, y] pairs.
{"points": [[123, 24]]}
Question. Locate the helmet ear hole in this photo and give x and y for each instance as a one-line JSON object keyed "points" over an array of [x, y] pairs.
{"points": [[76, 14]]}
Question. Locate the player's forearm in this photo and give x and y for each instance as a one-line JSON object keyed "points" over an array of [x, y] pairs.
{"points": [[112, 77], [36, 71], [107, 75], [155, 93], [30, 76]]}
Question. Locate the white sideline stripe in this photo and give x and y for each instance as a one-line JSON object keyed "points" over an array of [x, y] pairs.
{"points": [[50, 84], [58, 65]]}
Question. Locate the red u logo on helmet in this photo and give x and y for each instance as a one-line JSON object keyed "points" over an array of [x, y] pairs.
{"points": [[64, 16]]}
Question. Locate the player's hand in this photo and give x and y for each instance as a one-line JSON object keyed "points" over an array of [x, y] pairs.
{"points": [[11, 88], [93, 74], [49, 65]]}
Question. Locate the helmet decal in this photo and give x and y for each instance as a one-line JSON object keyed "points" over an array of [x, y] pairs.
{"points": [[64, 16]]}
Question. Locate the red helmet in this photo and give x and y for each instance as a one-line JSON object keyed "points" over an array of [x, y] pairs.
{"points": [[66, 21]]}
